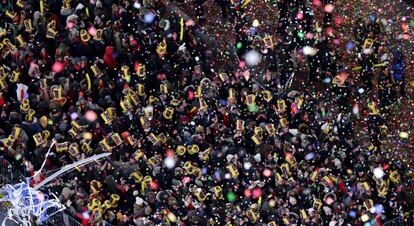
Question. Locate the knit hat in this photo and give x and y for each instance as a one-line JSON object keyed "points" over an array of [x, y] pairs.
{"points": [[67, 193]]}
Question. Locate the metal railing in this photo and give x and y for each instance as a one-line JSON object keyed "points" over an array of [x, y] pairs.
{"points": [[6, 172], [63, 219], [406, 220]]}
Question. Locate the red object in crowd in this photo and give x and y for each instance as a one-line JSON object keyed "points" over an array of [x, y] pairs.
{"points": [[37, 179], [125, 135], [190, 95], [226, 119], [108, 57], [342, 187], [84, 220]]}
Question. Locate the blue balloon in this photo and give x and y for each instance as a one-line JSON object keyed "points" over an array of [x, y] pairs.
{"points": [[223, 102], [379, 209], [352, 213], [204, 170], [349, 45], [327, 80], [253, 30], [149, 17]]}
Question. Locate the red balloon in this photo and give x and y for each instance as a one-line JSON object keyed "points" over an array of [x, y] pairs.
{"points": [[169, 153], [154, 185], [125, 135]]}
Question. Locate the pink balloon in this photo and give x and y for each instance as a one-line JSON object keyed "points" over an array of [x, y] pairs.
{"points": [[329, 8], [329, 200], [267, 172], [191, 95], [405, 27], [406, 36], [247, 193], [309, 35], [317, 3], [92, 31], [70, 25], [329, 31], [338, 21], [242, 64], [257, 192], [91, 116], [58, 67], [186, 180]]}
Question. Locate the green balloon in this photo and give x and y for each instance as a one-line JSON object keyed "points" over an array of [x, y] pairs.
{"points": [[412, 22], [239, 45], [231, 197], [253, 108], [301, 34]]}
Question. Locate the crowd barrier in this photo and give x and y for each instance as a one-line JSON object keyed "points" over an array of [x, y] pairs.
{"points": [[406, 220]]}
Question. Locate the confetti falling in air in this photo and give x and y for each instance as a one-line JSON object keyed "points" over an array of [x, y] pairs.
{"points": [[216, 112]]}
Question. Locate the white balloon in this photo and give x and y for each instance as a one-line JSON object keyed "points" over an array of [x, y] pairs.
{"points": [[403, 135], [252, 58], [367, 51], [255, 23], [247, 165], [137, 5], [309, 51], [378, 172], [169, 162]]}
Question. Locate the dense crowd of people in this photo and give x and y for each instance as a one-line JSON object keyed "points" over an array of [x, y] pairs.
{"points": [[266, 137]]}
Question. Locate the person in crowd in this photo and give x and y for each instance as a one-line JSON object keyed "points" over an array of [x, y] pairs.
{"points": [[194, 141]]}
